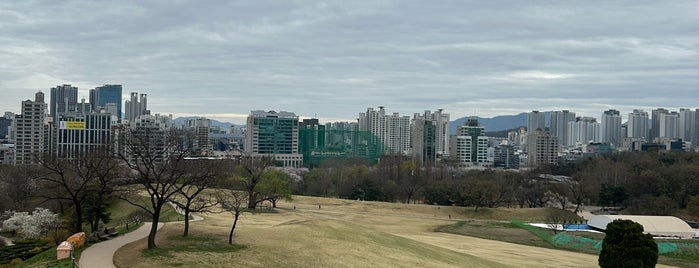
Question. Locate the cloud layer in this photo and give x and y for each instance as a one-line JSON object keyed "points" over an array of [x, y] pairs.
{"points": [[333, 60]]}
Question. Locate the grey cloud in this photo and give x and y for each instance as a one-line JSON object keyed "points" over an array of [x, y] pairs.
{"points": [[336, 58]]}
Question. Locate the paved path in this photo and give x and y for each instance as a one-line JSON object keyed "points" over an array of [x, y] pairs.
{"points": [[101, 255]]}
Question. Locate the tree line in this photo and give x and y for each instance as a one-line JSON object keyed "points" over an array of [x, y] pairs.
{"points": [[646, 183]]}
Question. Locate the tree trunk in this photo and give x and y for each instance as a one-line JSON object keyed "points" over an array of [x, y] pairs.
{"points": [[154, 226], [252, 203], [274, 202], [78, 221], [186, 220], [235, 221]]}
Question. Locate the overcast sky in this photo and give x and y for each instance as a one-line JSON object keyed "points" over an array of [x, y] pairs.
{"points": [[333, 59]]}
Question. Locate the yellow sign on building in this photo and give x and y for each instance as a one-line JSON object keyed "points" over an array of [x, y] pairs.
{"points": [[79, 125]]}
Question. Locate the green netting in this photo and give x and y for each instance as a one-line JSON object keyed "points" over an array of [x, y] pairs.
{"points": [[535, 230], [566, 240], [576, 242], [664, 247]]}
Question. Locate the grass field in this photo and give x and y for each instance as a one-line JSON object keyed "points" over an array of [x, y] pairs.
{"points": [[345, 233]]}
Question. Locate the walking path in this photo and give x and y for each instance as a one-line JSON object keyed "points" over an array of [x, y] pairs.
{"points": [[100, 255]]}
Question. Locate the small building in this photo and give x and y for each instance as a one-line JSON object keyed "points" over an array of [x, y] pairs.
{"points": [[657, 226]]}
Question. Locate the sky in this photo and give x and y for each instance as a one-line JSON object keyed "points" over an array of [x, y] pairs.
{"points": [[334, 59]]}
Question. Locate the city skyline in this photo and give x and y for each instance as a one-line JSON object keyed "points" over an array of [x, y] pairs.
{"points": [[332, 60]]}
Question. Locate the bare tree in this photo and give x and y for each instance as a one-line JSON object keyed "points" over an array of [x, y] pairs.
{"points": [[102, 168], [203, 174], [156, 161], [234, 202], [59, 181]]}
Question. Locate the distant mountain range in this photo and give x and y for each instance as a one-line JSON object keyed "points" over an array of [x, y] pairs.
{"points": [[180, 121], [498, 123]]}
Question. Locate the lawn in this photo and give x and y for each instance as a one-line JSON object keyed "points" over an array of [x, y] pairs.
{"points": [[345, 233]]}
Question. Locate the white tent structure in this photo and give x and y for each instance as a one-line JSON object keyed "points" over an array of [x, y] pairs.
{"points": [[657, 226]]}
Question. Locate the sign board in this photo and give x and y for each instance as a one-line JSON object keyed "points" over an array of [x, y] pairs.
{"points": [[78, 125]]}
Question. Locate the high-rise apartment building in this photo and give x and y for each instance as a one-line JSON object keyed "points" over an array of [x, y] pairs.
{"points": [[429, 136], [63, 100], [583, 131], [637, 125], [669, 126], [151, 133], [441, 122], [136, 106], [471, 144], [687, 125], [536, 120], [397, 134], [374, 121], [656, 114], [6, 126], [31, 130], [542, 148], [610, 127], [274, 134], [559, 125], [108, 98], [423, 141]]}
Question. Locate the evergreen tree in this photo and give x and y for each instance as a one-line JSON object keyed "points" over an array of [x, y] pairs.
{"points": [[625, 245]]}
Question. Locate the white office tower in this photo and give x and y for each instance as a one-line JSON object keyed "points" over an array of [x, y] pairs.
{"points": [[136, 106], [583, 131], [30, 131], [374, 122], [559, 125], [397, 134], [637, 125], [669, 126], [610, 127], [655, 123], [687, 125]]}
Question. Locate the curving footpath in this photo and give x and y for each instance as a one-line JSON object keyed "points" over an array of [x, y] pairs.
{"points": [[101, 255]]}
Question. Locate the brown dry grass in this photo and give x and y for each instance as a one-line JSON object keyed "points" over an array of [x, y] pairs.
{"points": [[344, 233]]}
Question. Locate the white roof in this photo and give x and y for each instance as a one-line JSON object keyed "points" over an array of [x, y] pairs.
{"points": [[667, 226]]}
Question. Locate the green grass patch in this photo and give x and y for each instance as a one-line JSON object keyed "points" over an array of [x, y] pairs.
{"points": [[507, 214], [178, 243], [495, 230]]}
